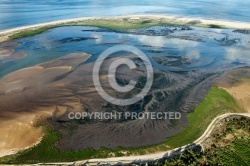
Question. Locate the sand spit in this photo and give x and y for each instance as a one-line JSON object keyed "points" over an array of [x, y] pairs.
{"points": [[178, 19]]}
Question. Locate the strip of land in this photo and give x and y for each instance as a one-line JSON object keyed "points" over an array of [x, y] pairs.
{"points": [[121, 22]]}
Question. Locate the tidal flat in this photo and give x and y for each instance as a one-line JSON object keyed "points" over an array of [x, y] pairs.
{"points": [[56, 76]]}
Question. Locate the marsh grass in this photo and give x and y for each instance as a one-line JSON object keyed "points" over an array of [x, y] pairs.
{"points": [[217, 102], [31, 32]]}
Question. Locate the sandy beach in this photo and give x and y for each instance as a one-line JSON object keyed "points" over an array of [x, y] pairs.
{"points": [[178, 19]]}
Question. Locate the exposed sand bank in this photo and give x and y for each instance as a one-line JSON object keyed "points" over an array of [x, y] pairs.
{"points": [[19, 131], [171, 19], [241, 93], [7, 53], [17, 123], [237, 83]]}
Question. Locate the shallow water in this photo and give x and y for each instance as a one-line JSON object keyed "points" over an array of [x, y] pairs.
{"points": [[202, 48], [17, 13]]}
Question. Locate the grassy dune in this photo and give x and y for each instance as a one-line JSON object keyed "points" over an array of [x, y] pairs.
{"points": [[114, 24], [28, 33], [217, 102]]}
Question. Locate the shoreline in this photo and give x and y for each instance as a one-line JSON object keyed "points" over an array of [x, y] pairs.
{"points": [[4, 34], [12, 151], [153, 156]]}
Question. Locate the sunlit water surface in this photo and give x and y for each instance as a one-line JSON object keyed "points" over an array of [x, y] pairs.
{"points": [[208, 53]]}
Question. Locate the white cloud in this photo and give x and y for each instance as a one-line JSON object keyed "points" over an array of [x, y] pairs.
{"points": [[238, 55], [98, 37], [193, 54]]}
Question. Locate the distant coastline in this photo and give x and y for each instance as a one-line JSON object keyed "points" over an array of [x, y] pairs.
{"points": [[164, 19]]}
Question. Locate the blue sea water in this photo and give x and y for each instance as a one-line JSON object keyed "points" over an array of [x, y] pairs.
{"points": [[16, 13]]}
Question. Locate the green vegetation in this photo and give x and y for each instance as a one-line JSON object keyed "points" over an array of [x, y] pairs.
{"points": [[217, 102], [114, 24], [119, 24], [46, 152], [230, 146], [28, 33], [235, 153]]}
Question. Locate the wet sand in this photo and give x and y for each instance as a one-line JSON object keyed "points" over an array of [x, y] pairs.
{"points": [[7, 53], [19, 132], [18, 118], [46, 91]]}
